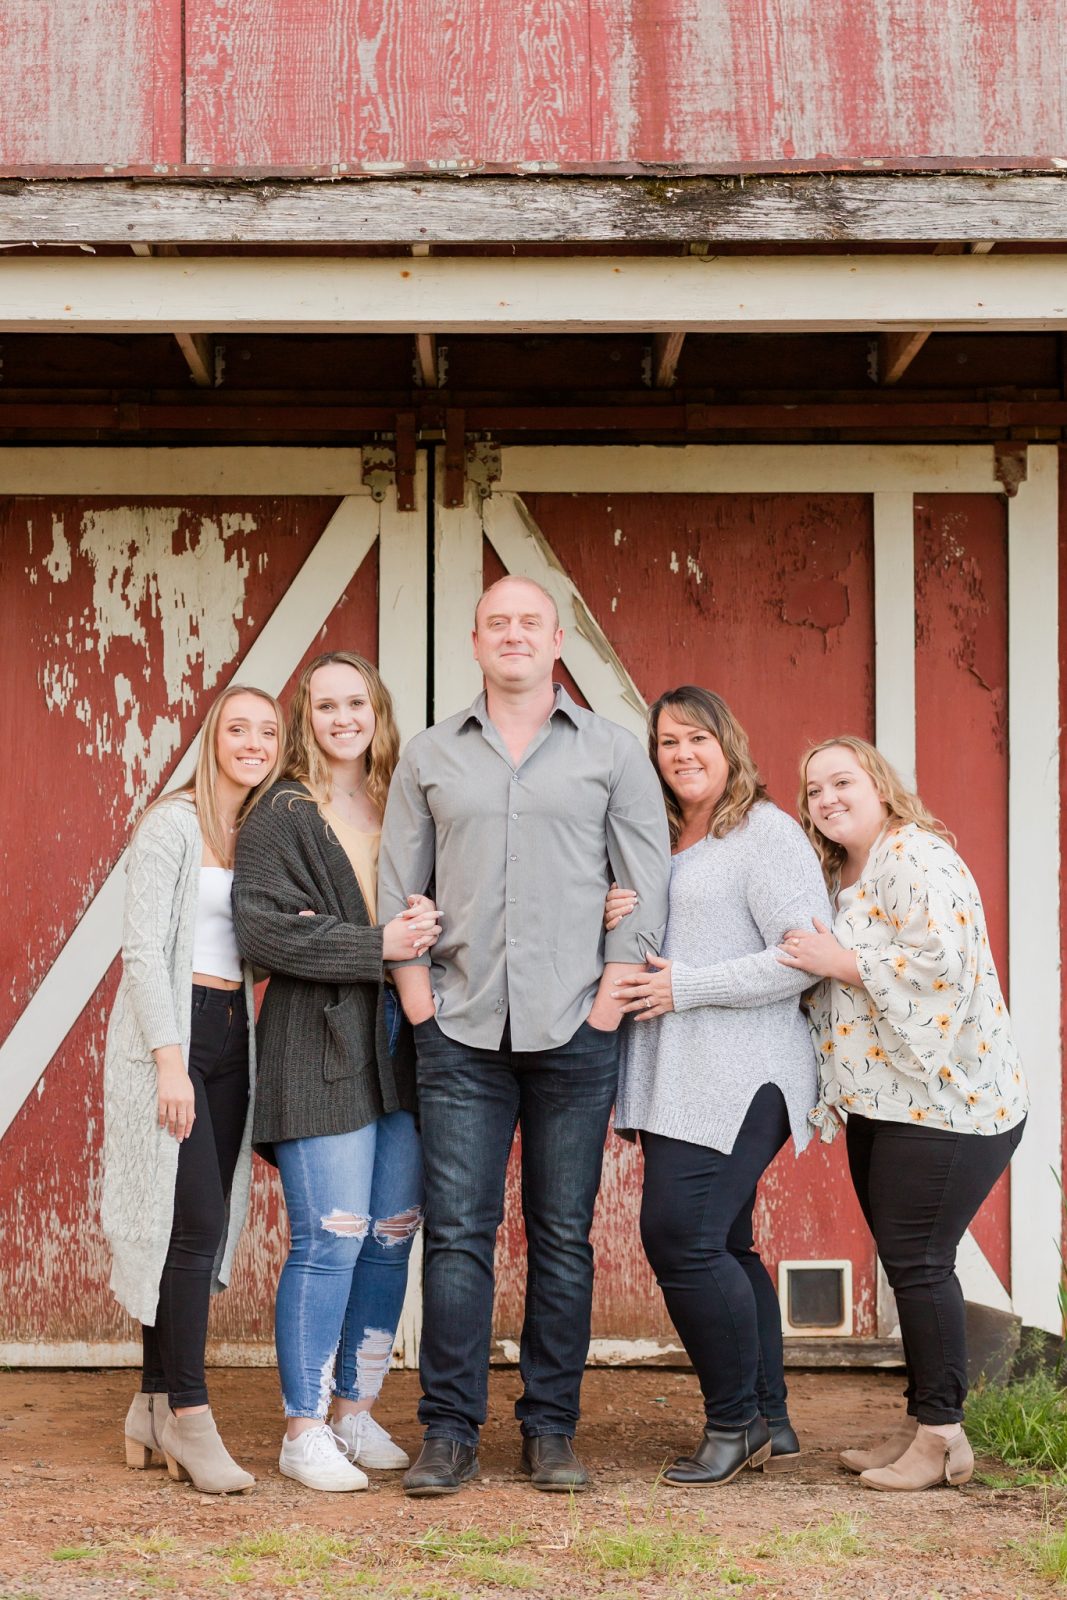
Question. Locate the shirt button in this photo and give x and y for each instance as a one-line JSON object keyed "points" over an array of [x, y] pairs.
{"points": [[511, 899], [511, 941], [513, 858], [514, 816]]}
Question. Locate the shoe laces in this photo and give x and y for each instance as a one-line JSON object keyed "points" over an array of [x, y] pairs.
{"points": [[321, 1444]]}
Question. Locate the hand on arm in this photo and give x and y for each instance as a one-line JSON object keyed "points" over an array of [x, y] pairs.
{"points": [[647, 994], [620, 903], [817, 951], [176, 1102], [608, 1010]]}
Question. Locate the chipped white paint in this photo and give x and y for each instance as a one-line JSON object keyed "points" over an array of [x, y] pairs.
{"points": [[58, 560]]}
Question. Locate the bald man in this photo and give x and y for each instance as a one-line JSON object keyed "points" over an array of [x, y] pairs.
{"points": [[520, 811]]}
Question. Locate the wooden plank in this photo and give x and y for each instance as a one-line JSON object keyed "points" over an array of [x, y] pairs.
{"points": [[278, 83], [520, 294], [199, 353], [896, 352], [666, 353], [426, 359], [840, 209], [94, 83]]}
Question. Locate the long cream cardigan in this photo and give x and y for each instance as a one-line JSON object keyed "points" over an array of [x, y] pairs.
{"points": [[153, 1007]]}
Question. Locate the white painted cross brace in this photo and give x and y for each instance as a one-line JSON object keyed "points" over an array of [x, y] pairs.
{"points": [[69, 984]]}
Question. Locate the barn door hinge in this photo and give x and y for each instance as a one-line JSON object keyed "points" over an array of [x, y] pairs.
{"points": [[483, 466], [379, 469], [1009, 465]]}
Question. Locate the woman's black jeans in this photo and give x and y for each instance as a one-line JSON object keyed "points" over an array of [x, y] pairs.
{"points": [[696, 1227], [218, 1066], [919, 1187]]}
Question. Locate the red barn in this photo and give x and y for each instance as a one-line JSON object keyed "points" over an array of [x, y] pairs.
{"points": [[740, 325]]}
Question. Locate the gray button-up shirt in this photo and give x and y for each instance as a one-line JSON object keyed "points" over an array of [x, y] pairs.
{"points": [[520, 858]]}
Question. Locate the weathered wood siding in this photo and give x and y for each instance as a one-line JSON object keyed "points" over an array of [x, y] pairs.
{"points": [[347, 86]]}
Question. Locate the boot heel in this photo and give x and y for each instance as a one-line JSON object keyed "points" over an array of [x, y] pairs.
{"points": [[778, 1464], [176, 1471], [137, 1454], [760, 1456]]}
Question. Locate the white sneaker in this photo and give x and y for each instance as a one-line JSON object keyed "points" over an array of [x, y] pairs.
{"points": [[367, 1442], [319, 1459]]}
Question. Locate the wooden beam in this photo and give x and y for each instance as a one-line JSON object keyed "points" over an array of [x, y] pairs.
{"points": [[197, 348], [606, 294], [897, 351], [837, 209], [426, 359], [666, 351]]}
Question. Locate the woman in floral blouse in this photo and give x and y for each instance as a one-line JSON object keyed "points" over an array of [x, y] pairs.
{"points": [[917, 1060]]}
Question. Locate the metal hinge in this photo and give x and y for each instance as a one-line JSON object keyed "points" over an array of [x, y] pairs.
{"points": [[379, 469], [483, 466]]}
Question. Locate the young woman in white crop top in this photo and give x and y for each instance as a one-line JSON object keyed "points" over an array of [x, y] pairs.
{"points": [[178, 1074]]}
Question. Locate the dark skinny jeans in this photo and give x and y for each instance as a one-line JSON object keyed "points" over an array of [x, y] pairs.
{"points": [[218, 1066], [919, 1187], [696, 1227]]}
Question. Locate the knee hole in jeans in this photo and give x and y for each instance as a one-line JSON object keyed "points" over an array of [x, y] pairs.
{"points": [[391, 1231], [345, 1224]]}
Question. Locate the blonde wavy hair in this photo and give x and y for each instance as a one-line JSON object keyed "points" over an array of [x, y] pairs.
{"points": [[744, 786], [903, 806], [308, 765], [202, 787]]}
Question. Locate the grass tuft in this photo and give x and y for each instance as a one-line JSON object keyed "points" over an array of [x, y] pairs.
{"points": [[827, 1542], [76, 1552], [1047, 1555], [444, 1544], [1025, 1424], [665, 1551]]}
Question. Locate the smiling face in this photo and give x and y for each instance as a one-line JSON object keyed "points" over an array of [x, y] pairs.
{"points": [[843, 800], [246, 740], [517, 637], [691, 763], [342, 717]]}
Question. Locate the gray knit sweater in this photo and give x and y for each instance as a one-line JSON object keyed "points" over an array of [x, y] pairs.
{"points": [[737, 1024], [153, 1007]]}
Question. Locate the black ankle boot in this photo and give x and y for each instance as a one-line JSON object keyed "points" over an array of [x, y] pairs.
{"points": [[443, 1467], [785, 1449], [722, 1453]]}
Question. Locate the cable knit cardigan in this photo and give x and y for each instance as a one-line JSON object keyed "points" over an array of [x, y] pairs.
{"points": [[153, 1007]]}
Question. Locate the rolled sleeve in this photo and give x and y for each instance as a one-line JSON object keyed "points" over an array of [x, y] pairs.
{"points": [[638, 844]]}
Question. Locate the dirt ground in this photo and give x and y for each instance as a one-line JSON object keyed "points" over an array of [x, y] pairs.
{"points": [[78, 1524]]}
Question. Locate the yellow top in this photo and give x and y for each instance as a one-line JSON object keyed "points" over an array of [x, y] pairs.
{"points": [[362, 851]]}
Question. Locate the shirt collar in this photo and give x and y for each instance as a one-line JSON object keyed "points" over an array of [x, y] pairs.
{"points": [[479, 711]]}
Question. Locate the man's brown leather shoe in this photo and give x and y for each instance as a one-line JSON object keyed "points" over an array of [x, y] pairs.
{"points": [[548, 1459], [443, 1467]]}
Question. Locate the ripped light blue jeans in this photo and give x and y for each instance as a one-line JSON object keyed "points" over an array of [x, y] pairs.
{"points": [[355, 1204]]}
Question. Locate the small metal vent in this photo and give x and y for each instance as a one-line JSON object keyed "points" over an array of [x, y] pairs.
{"points": [[816, 1297]]}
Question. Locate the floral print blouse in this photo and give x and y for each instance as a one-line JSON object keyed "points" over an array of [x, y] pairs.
{"points": [[928, 1040]]}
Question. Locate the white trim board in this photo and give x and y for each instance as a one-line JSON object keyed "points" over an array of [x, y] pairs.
{"points": [[81, 964], [437, 294], [158, 470], [1034, 881]]}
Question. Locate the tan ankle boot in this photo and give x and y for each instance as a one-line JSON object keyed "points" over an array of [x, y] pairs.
{"points": [[929, 1460], [194, 1451], [884, 1454], [144, 1428]]}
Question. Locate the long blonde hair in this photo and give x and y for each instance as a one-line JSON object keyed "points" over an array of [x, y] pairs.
{"points": [[744, 786], [902, 804], [308, 765], [202, 787]]}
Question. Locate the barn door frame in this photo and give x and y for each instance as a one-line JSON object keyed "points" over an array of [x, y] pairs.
{"points": [[892, 475], [367, 513]]}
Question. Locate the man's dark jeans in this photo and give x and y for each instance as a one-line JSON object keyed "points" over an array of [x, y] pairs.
{"points": [[470, 1101]]}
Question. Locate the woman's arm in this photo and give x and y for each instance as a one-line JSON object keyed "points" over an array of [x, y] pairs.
{"points": [[157, 856]]}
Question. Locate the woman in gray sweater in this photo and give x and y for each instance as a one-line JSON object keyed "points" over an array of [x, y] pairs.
{"points": [[718, 1070], [336, 1097], [179, 1079]]}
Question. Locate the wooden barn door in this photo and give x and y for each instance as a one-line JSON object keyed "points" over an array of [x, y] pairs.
{"points": [[127, 608], [819, 591]]}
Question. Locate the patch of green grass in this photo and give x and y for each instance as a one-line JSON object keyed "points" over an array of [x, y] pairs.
{"points": [[292, 1556], [663, 1551], [1047, 1555], [146, 1545], [826, 1542], [1025, 1424], [76, 1552], [443, 1544]]}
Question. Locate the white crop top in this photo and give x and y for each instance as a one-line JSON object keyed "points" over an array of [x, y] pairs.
{"points": [[214, 945]]}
